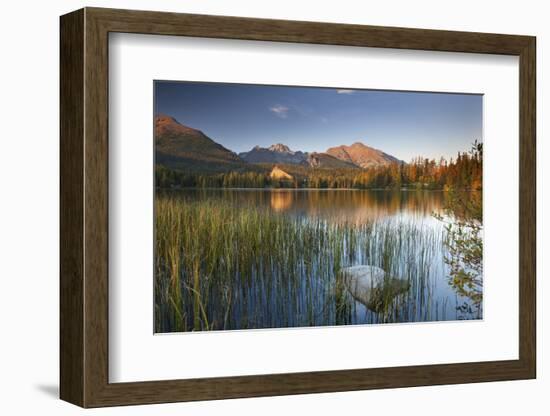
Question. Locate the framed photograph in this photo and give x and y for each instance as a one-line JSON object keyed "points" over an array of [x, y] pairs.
{"points": [[260, 207]]}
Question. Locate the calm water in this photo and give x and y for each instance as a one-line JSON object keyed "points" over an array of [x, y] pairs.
{"points": [[419, 256]]}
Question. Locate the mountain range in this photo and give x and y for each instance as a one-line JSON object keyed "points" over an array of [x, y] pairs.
{"points": [[182, 147], [280, 153]]}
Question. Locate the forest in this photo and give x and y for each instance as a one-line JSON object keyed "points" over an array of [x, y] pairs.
{"points": [[463, 172]]}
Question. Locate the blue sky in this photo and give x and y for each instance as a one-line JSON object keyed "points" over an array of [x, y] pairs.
{"points": [[403, 124]]}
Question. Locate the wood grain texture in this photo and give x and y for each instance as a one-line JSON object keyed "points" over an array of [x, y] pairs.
{"points": [[71, 100], [527, 208], [96, 208], [84, 205], [225, 27]]}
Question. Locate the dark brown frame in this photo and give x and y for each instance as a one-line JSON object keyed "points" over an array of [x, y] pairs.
{"points": [[84, 210]]}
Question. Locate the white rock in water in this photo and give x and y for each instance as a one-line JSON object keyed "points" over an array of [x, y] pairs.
{"points": [[361, 280], [371, 286]]}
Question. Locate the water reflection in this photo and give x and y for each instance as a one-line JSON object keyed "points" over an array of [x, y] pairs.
{"points": [[394, 230], [357, 206], [281, 201]]}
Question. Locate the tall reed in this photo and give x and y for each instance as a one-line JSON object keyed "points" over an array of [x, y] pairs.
{"points": [[221, 265]]}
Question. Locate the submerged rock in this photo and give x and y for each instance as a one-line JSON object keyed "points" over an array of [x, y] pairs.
{"points": [[372, 286]]}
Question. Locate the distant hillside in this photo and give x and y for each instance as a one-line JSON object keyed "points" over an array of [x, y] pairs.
{"points": [[278, 173], [181, 147], [324, 160], [362, 155], [277, 153]]}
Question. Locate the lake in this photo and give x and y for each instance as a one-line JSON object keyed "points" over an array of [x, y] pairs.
{"points": [[273, 258]]}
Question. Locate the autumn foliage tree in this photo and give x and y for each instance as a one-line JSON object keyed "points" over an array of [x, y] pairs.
{"points": [[464, 234]]}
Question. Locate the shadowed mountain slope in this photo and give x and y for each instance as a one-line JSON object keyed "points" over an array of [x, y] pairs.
{"points": [[181, 147]]}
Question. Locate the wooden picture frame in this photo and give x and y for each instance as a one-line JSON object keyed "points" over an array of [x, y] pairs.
{"points": [[84, 207]]}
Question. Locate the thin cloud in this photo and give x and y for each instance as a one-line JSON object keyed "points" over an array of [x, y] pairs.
{"points": [[280, 111], [349, 92]]}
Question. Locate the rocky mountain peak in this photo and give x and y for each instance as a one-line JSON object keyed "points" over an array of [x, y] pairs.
{"points": [[281, 148]]}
